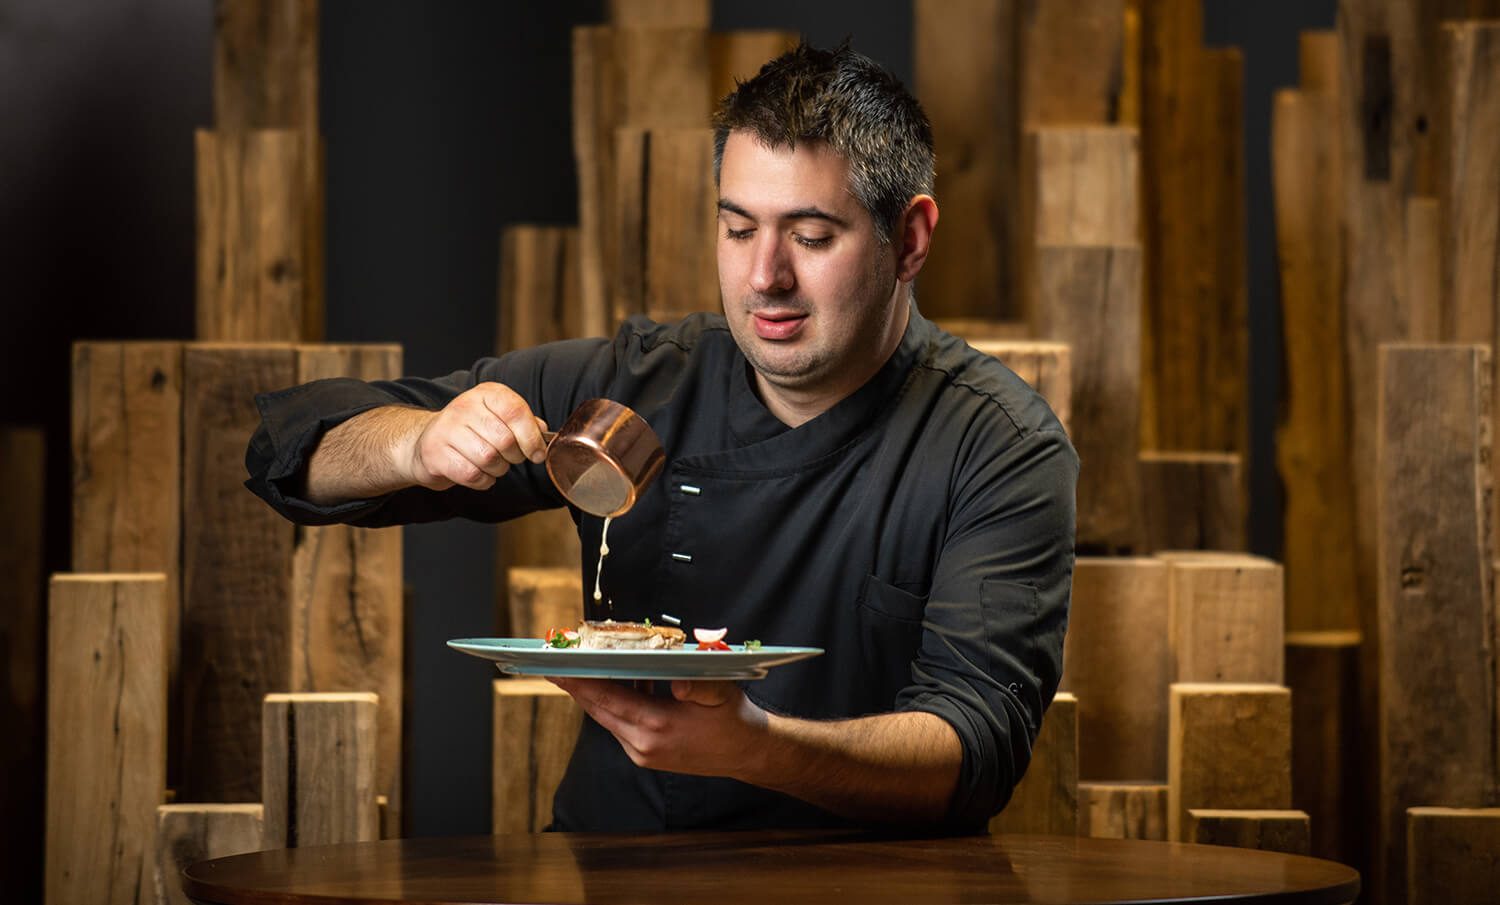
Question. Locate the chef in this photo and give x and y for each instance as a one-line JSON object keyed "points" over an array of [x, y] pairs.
{"points": [[840, 473]]}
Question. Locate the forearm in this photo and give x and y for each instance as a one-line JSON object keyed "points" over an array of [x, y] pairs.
{"points": [[894, 766], [366, 456]]}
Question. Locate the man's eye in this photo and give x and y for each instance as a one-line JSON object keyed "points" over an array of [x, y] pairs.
{"points": [[737, 234], [811, 242]]}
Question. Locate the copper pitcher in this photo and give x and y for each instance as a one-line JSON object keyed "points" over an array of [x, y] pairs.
{"points": [[603, 457]]}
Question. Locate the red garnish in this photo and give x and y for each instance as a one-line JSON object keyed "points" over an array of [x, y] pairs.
{"points": [[712, 645]]}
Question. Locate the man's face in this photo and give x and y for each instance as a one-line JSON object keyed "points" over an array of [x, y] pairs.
{"points": [[809, 290]]}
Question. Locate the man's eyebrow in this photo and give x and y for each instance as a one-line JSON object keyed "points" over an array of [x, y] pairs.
{"points": [[801, 213]]}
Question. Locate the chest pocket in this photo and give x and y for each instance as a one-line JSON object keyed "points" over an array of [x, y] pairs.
{"points": [[890, 631]]}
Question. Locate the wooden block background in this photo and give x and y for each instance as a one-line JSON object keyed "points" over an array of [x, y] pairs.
{"points": [[127, 475], [1046, 798], [1438, 718], [664, 219], [1089, 298], [252, 235], [1116, 660], [189, 833], [1312, 437], [318, 756], [1122, 810], [22, 757], [1470, 180], [964, 57], [645, 78], [106, 733], [738, 55], [237, 580], [1229, 746], [1271, 831], [1072, 61], [535, 726], [1226, 619], [1451, 855], [1193, 501]]}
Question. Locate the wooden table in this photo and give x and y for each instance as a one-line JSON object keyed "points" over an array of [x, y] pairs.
{"points": [[766, 868]]}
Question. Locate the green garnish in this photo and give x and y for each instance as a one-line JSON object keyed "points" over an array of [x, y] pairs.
{"points": [[647, 622], [752, 645]]}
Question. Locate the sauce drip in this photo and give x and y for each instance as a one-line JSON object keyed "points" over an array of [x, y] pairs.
{"points": [[603, 552]]}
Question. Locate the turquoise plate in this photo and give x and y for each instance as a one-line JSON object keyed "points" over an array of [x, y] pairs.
{"points": [[531, 657]]}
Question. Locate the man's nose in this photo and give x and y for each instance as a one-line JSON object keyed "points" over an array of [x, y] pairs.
{"points": [[771, 269]]}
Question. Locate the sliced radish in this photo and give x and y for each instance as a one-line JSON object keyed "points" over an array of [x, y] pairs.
{"points": [[709, 635]]}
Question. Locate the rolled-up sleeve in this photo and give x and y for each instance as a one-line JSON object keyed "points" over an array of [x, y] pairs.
{"points": [[552, 379], [990, 657]]}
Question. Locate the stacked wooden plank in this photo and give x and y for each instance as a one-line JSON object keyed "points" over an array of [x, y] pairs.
{"points": [[22, 618], [1389, 508], [260, 177]]}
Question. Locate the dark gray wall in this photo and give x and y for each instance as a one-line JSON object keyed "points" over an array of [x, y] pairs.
{"points": [[444, 121]]}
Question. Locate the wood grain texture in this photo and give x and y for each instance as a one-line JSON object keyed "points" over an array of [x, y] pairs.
{"points": [[1193, 500], [1195, 339], [736, 56], [539, 301], [1437, 719], [1312, 434], [22, 708], [1089, 298], [972, 329], [1046, 367], [127, 477], [1081, 185], [189, 833], [1046, 798], [965, 56], [1318, 64], [664, 222], [266, 77], [542, 599], [1073, 68], [790, 866], [106, 734], [1470, 180], [346, 621], [1423, 280], [1122, 810], [265, 65], [237, 575], [1228, 746], [1322, 671], [1118, 664], [319, 754], [535, 726], [1226, 620], [645, 78], [1268, 831], [1451, 855], [252, 235]]}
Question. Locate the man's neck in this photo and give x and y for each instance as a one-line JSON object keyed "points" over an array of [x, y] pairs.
{"points": [[795, 407]]}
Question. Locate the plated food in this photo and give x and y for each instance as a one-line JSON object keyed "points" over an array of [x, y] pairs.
{"points": [[608, 634]]}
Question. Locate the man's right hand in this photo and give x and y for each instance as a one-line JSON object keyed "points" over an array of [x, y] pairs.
{"points": [[472, 441], [475, 439]]}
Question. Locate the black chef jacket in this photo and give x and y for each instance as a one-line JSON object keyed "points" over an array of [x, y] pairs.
{"points": [[920, 531]]}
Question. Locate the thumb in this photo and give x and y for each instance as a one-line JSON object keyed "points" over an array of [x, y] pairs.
{"points": [[706, 694]]}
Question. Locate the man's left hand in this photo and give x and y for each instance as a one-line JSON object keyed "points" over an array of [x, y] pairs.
{"points": [[705, 728]]}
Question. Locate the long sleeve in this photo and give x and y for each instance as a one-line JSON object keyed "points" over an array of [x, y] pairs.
{"points": [[553, 379], [990, 656]]}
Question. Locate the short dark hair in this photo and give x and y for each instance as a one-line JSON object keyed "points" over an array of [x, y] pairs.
{"points": [[847, 100]]}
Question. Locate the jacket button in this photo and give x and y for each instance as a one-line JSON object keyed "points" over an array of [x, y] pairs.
{"points": [[689, 489], [682, 557]]}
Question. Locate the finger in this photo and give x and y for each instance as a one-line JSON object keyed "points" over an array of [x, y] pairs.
{"points": [[706, 694], [518, 418], [495, 458], [459, 469]]}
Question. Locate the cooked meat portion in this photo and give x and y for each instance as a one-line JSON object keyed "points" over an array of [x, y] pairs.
{"points": [[612, 635]]}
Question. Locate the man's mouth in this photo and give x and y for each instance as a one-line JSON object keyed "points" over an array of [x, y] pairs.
{"points": [[776, 324]]}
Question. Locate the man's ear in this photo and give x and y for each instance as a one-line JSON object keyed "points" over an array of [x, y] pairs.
{"points": [[915, 238]]}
